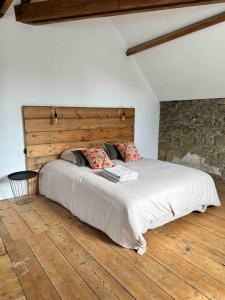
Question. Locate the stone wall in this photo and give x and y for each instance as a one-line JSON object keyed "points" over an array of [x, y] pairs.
{"points": [[192, 133]]}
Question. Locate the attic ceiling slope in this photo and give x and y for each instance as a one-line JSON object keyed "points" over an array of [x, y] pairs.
{"points": [[191, 67], [214, 20], [51, 11]]}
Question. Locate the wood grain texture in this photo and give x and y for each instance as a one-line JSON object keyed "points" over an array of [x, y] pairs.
{"points": [[170, 282], [64, 10], [203, 283], [46, 137], [76, 127], [33, 279], [57, 148], [197, 238], [47, 112], [177, 33], [67, 281], [10, 287], [190, 255], [35, 163], [36, 125], [104, 286], [183, 261]]}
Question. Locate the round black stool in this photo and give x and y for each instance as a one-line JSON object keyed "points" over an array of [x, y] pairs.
{"points": [[19, 182]]}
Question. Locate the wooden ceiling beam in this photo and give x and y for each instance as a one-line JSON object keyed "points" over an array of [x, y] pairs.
{"points": [[4, 5], [50, 11], [177, 33]]}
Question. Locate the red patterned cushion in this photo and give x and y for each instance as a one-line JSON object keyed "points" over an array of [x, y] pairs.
{"points": [[128, 151], [98, 158]]}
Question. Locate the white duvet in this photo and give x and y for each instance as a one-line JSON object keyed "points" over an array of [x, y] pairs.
{"points": [[124, 211]]}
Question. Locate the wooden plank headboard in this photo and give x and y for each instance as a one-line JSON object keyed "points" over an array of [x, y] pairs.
{"points": [[46, 139]]}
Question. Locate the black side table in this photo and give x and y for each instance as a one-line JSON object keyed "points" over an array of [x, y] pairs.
{"points": [[19, 182]]}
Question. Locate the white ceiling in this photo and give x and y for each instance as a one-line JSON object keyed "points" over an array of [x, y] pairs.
{"points": [[191, 67]]}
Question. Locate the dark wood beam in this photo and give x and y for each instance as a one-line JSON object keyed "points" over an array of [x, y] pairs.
{"points": [[50, 11], [4, 5], [177, 33]]}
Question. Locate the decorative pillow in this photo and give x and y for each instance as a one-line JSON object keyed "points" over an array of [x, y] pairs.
{"points": [[98, 158], [81, 159], [128, 152], [75, 156], [111, 151], [69, 156]]}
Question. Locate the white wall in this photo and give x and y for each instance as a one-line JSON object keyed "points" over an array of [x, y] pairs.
{"points": [[190, 67], [71, 64]]}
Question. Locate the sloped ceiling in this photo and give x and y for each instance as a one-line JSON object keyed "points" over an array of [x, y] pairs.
{"points": [[191, 67]]}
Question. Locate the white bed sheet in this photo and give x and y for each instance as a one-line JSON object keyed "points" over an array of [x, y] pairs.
{"points": [[124, 211]]}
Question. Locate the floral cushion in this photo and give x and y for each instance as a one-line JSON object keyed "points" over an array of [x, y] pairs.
{"points": [[128, 152], [98, 158]]}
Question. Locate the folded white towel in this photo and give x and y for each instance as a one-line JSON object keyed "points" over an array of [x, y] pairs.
{"points": [[124, 179], [113, 179], [120, 171]]}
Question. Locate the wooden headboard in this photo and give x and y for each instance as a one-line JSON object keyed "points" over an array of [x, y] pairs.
{"points": [[48, 131]]}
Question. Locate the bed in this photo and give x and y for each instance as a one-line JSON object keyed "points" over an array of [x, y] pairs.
{"points": [[125, 211]]}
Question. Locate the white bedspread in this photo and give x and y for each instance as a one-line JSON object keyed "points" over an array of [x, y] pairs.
{"points": [[124, 211]]}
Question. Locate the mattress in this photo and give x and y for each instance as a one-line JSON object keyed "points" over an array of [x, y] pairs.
{"points": [[125, 211]]}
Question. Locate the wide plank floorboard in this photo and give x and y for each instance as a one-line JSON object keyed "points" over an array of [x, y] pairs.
{"points": [[46, 253], [10, 287], [33, 279], [207, 221]]}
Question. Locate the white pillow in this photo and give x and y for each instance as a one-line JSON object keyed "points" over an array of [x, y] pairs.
{"points": [[69, 156]]}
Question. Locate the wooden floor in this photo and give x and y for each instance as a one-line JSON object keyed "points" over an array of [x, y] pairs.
{"points": [[46, 253]]}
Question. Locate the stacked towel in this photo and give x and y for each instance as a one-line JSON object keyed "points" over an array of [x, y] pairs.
{"points": [[119, 173]]}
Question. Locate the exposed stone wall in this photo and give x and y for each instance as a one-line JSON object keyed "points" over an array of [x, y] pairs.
{"points": [[193, 133]]}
